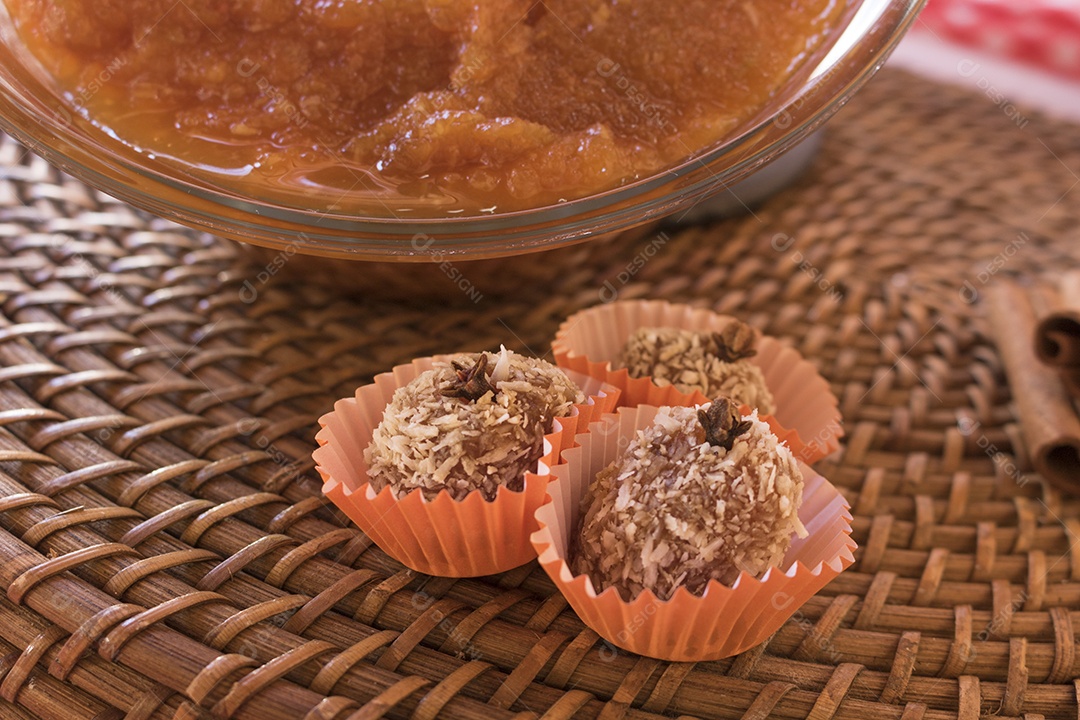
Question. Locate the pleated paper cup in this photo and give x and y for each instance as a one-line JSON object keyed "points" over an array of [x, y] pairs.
{"points": [[723, 620], [590, 341], [443, 536]]}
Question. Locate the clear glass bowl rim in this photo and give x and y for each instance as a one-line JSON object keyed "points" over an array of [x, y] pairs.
{"points": [[34, 114]]}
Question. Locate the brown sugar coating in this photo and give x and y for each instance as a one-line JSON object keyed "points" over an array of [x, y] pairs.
{"points": [[435, 436], [691, 361], [675, 511], [494, 105]]}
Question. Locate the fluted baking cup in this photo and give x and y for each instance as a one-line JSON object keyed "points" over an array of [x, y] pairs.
{"points": [[590, 341], [442, 536], [724, 620]]}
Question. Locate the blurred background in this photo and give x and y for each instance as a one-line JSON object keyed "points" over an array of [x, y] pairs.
{"points": [[1015, 53]]}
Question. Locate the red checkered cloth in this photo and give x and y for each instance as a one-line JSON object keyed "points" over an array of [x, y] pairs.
{"points": [[1044, 33]]}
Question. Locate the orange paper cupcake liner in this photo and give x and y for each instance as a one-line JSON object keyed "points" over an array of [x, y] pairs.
{"points": [[443, 536], [721, 622], [590, 341]]}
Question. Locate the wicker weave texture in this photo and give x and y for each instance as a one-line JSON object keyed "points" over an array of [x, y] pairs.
{"points": [[166, 552]]}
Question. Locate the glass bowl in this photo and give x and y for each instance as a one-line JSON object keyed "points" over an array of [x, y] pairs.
{"points": [[32, 109]]}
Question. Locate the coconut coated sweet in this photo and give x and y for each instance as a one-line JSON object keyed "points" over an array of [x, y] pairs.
{"points": [[436, 436], [674, 510], [692, 361]]}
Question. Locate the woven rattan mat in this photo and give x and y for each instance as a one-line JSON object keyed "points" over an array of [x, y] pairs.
{"points": [[166, 552]]}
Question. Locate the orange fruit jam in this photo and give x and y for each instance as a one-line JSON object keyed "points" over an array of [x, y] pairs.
{"points": [[422, 107]]}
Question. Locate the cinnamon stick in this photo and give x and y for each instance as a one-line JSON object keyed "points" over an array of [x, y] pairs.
{"points": [[1070, 378], [1057, 336], [1050, 426]]}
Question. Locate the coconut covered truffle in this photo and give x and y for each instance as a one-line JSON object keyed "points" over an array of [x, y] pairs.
{"points": [[699, 495], [474, 423], [714, 363]]}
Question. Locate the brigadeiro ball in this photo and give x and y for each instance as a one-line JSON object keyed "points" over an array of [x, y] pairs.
{"points": [[714, 363], [474, 423], [702, 494]]}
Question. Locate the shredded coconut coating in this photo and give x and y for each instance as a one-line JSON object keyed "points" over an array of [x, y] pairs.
{"points": [[430, 442], [673, 511], [681, 358]]}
